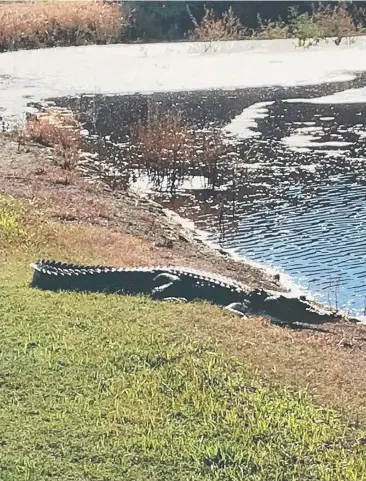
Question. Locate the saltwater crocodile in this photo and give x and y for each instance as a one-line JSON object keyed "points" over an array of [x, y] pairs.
{"points": [[183, 284]]}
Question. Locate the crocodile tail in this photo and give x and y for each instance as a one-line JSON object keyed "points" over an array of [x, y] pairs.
{"points": [[55, 276]]}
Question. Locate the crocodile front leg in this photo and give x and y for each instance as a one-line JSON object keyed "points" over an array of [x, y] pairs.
{"points": [[164, 293], [167, 290], [160, 291], [238, 308]]}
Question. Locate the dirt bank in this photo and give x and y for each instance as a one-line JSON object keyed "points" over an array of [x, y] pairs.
{"points": [[27, 172]]}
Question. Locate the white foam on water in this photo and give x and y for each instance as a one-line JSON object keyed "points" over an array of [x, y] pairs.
{"points": [[305, 138], [307, 141], [250, 166], [244, 124], [33, 75], [350, 96], [145, 185]]}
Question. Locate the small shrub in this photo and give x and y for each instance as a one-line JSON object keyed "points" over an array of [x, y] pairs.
{"points": [[213, 28], [270, 29], [61, 131], [324, 22], [163, 141], [330, 21], [307, 30], [166, 147]]}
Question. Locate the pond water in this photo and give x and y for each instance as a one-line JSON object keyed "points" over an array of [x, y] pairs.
{"points": [[290, 191], [302, 207]]}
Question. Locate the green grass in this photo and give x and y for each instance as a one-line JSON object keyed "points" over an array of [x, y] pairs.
{"points": [[96, 387], [11, 226]]}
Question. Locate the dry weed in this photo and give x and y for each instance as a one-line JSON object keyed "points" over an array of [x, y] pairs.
{"points": [[61, 131], [58, 23], [269, 29], [214, 28], [168, 148], [326, 21], [164, 141]]}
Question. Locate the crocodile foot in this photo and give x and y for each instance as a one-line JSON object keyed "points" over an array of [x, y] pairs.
{"points": [[297, 325]]}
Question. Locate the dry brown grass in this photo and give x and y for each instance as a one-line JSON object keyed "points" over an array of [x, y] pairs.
{"points": [[332, 371], [215, 28], [80, 242], [49, 24], [57, 128]]}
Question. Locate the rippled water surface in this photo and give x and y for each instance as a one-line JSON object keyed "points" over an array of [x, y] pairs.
{"points": [[302, 207]]}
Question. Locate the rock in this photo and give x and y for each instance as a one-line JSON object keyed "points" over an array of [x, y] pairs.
{"points": [[166, 243]]}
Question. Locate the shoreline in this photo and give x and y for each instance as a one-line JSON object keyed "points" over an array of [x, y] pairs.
{"points": [[67, 197], [147, 65]]}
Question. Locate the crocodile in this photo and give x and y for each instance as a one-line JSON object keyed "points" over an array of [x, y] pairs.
{"points": [[172, 283]]}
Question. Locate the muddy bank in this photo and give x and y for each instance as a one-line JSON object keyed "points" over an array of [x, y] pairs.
{"points": [[27, 172]]}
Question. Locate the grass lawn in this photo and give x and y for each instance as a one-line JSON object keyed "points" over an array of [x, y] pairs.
{"points": [[96, 387]]}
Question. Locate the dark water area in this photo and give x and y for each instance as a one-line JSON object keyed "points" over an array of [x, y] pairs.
{"points": [[292, 197], [111, 115]]}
